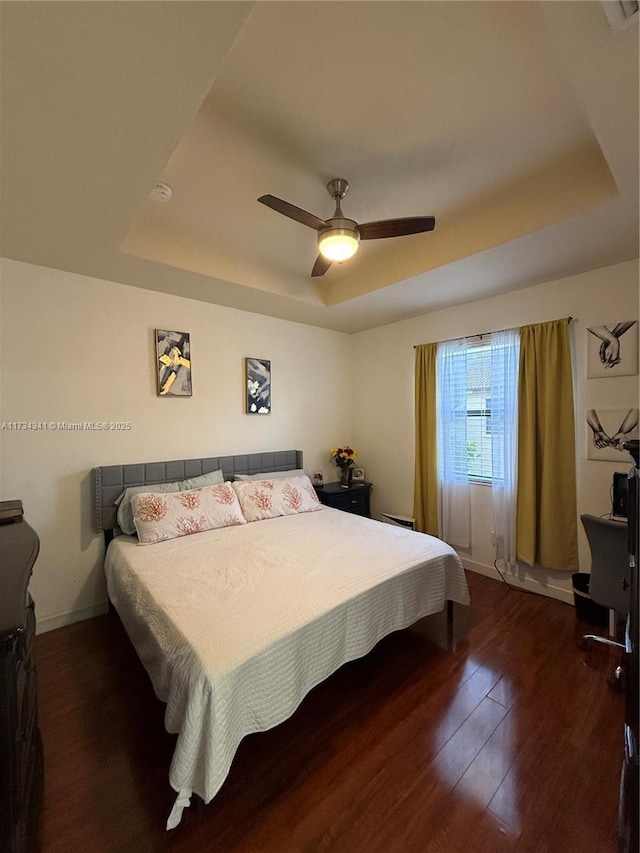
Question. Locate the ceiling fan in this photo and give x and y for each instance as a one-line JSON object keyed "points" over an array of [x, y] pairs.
{"points": [[338, 237]]}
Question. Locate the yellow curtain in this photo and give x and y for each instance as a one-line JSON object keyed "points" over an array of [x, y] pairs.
{"points": [[546, 523], [425, 493]]}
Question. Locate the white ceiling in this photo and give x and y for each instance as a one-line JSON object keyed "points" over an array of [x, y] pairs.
{"points": [[515, 124]]}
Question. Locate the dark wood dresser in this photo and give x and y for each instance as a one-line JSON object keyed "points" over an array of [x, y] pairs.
{"points": [[21, 759], [355, 498]]}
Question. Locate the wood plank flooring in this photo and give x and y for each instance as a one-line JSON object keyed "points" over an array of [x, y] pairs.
{"points": [[509, 740]]}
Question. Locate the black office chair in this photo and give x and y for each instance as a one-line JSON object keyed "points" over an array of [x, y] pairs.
{"points": [[609, 582]]}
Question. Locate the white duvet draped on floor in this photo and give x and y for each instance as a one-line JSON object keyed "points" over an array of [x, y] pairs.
{"points": [[235, 626]]}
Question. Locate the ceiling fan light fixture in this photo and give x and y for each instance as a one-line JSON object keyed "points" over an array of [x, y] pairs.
{"points": [[338, 244], [339, 237]]}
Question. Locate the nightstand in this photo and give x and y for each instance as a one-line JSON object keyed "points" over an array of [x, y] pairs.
{"points": [[355, 498]]}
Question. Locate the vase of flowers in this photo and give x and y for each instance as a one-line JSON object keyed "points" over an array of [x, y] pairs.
{"points": [[344, 458]]}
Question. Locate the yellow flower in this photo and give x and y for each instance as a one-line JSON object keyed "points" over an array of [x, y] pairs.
{"points": [[343, 456]]}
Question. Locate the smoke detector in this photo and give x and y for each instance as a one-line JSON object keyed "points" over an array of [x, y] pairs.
{"points": [[161, 192]]}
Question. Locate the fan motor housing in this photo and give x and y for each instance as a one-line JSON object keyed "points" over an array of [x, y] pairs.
{"points": [[340, 225]]}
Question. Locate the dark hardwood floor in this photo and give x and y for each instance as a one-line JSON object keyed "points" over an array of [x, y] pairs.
{"points": [[510, 740]]}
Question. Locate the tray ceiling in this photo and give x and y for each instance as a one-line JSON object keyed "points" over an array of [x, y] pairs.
{"points": [[515, 124]]}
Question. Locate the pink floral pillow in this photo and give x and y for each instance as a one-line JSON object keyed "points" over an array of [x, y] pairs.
{"points": [[260, 499], [161, 516]]}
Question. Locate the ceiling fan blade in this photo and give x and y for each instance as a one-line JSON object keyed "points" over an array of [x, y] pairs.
{"points": [[293, 212], [320, 267], [396, 227]]}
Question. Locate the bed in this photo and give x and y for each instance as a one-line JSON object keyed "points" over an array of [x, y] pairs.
{"points": [[235, 625]]}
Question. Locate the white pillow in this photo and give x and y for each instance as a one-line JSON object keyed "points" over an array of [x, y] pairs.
{"points": [[260, 499], [159, 517], [123, 502], [271, 475]]}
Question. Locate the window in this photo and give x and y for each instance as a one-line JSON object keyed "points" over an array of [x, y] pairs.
{"points": [[476, 427], [479, 455]]}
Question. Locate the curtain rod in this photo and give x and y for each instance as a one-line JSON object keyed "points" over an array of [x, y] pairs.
{"points": [[479, 335]]}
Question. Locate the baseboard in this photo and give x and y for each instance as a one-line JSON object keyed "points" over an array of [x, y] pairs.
{"points": [[527, 583], [50, 623]]}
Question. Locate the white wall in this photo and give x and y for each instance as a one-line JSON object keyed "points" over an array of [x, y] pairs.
{"points": [[80, 349], [383, 427]]}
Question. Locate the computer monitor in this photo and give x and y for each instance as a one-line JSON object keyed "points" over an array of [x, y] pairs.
{"points": [[620, 495]]}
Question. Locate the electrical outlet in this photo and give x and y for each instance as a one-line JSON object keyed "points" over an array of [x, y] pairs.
{"points": [[493, 537]]}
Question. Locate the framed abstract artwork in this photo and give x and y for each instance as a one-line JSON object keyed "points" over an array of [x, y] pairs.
{"points": [[173, 360], [257, 386]]}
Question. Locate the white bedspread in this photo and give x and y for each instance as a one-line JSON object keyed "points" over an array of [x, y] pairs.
{"points": [[235, 626]]}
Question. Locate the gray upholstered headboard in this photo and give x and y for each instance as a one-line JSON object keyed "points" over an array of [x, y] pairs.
{"points": [[111, 480]]}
